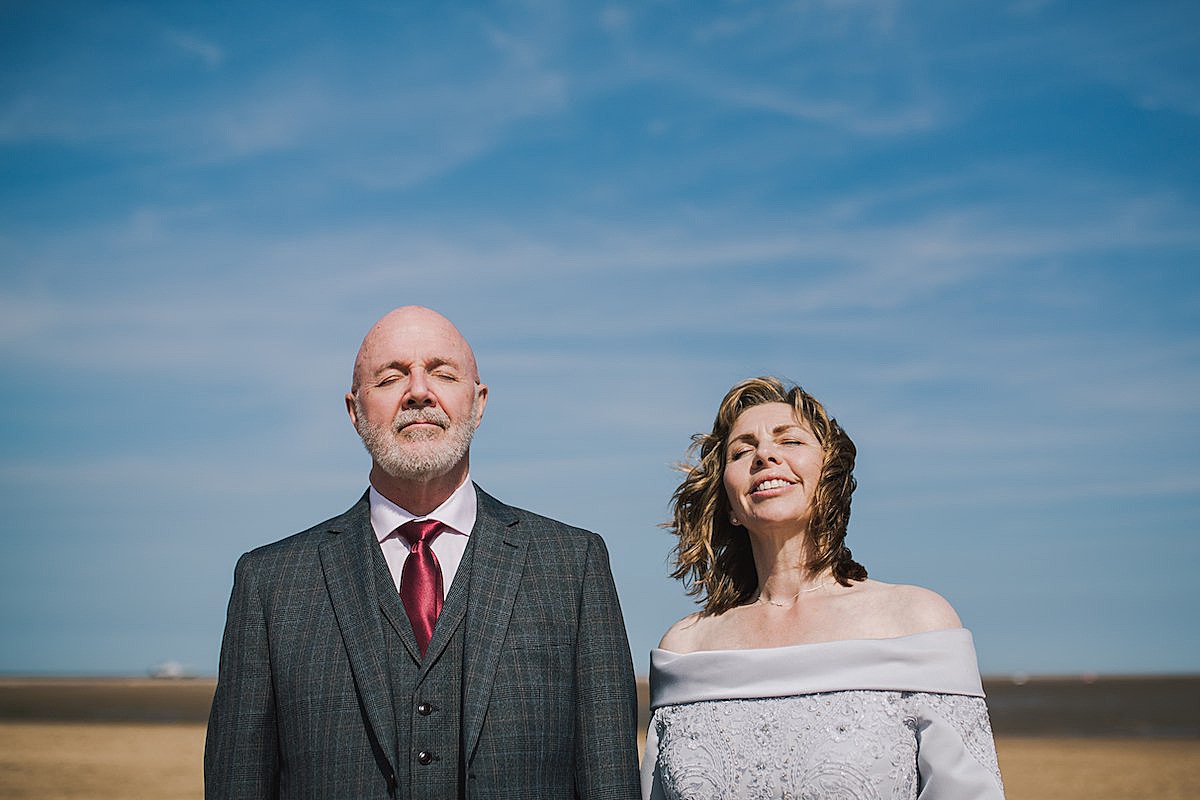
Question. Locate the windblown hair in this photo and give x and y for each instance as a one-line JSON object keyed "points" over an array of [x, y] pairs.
{"points": [[712, 555]]}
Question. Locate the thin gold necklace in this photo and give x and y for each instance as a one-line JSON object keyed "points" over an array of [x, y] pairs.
{"points": [[795, 597]]}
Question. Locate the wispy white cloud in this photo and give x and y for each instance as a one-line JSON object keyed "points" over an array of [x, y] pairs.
{"points": [[1035, 493], [207, 52], [176, 477], [728, 26], [833, 19], [868, 118], [381, 129], [1144, 55], [615, 19]]}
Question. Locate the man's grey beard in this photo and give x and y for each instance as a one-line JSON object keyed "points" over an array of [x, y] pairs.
{"points": [[417, 455]]}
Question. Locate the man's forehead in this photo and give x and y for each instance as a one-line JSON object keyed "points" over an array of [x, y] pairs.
{"points": [[416, 346], [408, 338]]}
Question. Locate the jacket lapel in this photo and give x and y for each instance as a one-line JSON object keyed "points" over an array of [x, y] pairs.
{"points": [[498, 562], [348, 565], [453, 611]]}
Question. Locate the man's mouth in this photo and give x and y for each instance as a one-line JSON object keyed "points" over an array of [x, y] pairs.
{"points": [[418, 422]]}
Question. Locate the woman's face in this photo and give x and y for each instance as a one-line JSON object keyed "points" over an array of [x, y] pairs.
{"points": [[772, 465]]}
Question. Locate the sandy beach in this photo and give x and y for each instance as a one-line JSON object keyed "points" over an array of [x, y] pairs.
{"points": [[62, 739], [121, 761], [1099, 769]]}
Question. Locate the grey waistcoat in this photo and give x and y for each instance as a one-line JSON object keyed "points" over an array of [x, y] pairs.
{"points": [[426, 693]]}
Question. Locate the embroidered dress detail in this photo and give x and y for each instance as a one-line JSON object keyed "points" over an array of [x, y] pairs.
{"points": [[889, 739]]}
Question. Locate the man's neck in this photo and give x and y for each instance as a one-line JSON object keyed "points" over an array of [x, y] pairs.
{"points": [[420, 496]]}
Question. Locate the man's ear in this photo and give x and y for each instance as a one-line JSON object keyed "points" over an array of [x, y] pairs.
{"points": [[481, 393]]}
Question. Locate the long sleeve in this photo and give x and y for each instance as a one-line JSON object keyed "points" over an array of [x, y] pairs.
{"points": [[956, 756], [241, 754], [606, 697], [651, 782]]}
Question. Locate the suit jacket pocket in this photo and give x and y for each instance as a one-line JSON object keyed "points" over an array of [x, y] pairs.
{"points": [[532, 705]]}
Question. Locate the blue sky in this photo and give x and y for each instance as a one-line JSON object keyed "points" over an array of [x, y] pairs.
{"points": [[971, 229]]}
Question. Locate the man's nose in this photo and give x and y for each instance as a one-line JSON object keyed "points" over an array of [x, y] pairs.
{"points": [[418, 391]]}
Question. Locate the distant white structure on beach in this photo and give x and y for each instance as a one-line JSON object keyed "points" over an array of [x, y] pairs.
{"points": [[168, 669]]}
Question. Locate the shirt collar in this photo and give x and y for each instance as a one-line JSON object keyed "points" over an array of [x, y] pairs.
{"points": [[458, 513]]}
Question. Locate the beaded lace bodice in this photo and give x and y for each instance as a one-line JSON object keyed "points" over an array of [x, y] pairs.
{"points": [[915, 726]]}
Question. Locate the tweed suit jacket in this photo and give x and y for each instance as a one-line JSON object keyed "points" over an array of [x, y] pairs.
{"points": [[303, 706]]}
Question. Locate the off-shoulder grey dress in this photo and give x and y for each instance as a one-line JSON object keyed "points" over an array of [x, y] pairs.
{"points": [[866, 719]]}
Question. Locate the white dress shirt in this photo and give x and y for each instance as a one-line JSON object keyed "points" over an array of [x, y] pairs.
{"points": [[457, 514]]}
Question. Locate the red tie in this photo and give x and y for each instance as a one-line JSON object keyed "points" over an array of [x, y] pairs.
{"points": [[421, 579]]}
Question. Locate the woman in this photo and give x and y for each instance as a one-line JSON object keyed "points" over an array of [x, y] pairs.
{"points": [[802, 678]]}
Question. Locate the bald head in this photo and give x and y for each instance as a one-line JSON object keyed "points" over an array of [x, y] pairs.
{"points": [[412, 329]]}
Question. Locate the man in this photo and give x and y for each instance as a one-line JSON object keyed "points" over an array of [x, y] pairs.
{"points": [[431, 642]]}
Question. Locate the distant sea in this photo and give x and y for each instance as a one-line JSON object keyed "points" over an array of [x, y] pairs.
{"points": [[1136, 706]]}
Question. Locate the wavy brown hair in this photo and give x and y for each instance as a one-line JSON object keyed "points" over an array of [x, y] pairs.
{"points": [[712, 555]]}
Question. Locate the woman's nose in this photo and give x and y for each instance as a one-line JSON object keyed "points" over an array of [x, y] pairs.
{"points": [[764, 456]]}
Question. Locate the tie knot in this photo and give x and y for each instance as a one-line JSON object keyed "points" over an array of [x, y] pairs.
{"points": [[419, 531]]}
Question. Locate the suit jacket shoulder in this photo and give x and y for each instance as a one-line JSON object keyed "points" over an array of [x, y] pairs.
{"points": [[310, 539], [534, 525]]}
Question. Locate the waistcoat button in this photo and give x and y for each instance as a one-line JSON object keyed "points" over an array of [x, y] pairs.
{"points": [[424, 709], [425, 757]]}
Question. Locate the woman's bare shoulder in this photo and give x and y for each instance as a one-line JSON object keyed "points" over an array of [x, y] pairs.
{"points": [[685, 635], [902, 610]]}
